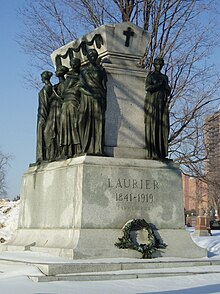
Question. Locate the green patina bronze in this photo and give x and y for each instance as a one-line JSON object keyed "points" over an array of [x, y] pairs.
{"points": [[42, 116], [152, 245], [52, 128], [71, 114], [156, 112], [92, 105], [83, 47], [69, 137]]}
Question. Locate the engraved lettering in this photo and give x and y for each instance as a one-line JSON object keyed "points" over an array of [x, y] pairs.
{"points": [[156, 185], [135, 184], [118, 185], [141, 198], [119, 197], [141, 184], [127, 183], [148, 186], [109, 183], [133, 191]]}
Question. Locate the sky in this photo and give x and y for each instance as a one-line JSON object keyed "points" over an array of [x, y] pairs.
{"points": [[18, 110]]}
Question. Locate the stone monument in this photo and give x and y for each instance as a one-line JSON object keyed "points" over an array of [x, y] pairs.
{"points": [[77, 206]]}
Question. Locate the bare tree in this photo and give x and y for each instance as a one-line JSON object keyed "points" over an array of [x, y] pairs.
{"points": [[182, 32], [4, 159], [48, 25]]}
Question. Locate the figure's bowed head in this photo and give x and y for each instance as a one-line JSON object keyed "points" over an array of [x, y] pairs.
{"points": [[61, 71], [158, 64], [92, 56], [75, 64], [45, 76]]}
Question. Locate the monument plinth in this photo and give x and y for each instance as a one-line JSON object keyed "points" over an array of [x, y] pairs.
{"points": [[77, 207]]}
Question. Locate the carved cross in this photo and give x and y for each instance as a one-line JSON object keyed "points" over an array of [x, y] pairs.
{"points": [[129, 33]]}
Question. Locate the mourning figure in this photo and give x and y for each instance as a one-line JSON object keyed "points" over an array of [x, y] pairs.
{"points": [[92, 105], [156, 112], [52, 129], [69, 137], [43, 112], [71, 114]]}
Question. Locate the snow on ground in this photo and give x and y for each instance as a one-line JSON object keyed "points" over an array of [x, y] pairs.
{"points": [[211, 243], [14, 276], [8, 218]]}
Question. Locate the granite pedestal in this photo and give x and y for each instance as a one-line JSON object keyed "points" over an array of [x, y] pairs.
{"points": [[76, 208]]}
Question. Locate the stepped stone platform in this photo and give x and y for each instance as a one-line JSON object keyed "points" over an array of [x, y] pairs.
{"points": [[60, 269]]}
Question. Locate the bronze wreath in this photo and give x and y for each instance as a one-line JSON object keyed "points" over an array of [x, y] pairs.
{"points": [[147, 250]]}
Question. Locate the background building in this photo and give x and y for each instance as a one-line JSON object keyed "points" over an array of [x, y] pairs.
{"points": [[195, 196], [212, 143], [203, 196]]}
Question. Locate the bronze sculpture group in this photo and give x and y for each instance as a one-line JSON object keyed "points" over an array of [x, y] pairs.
{"points": [[71, 113]]}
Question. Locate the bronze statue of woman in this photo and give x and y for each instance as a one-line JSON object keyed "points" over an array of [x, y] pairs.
{"points": [[156, 112], [93, 89], [69, 137], [43, 112], [52, 129]]}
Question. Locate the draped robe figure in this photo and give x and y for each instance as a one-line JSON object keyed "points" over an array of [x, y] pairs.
{"points": [[52, 129], [92, 106], [43, 112], [69, 137], [156, 112]]}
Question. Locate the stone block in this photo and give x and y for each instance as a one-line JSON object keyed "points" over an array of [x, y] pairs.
{"points": [[103, 193], [113, 48], [77, 207], [124, 118]]}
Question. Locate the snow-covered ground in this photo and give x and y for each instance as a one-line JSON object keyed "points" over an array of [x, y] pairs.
{"points": [[14, 276], [9, 211]]}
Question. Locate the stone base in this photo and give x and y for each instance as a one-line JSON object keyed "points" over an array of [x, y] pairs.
{"points": [[125, 152], [77, 207], [90, 244]]}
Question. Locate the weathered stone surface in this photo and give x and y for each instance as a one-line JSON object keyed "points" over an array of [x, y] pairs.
{"points": [[113, 49], [97, 192], [78, 206], [124, 120]]}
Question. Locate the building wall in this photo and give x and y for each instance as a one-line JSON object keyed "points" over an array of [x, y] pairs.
{"points": [[212, 142], [200, 196], [195, 195]]}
